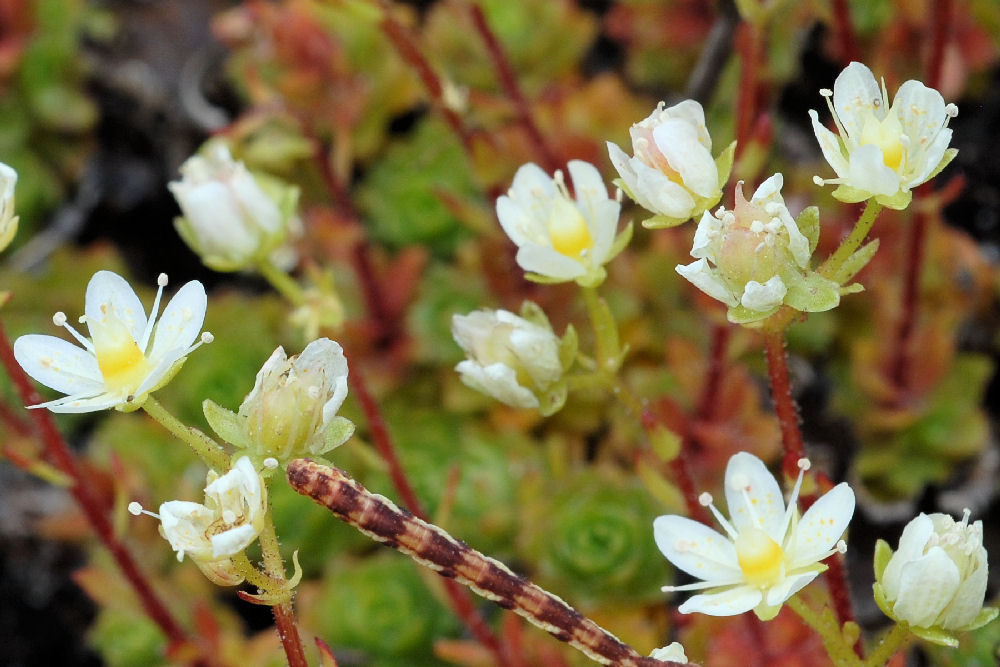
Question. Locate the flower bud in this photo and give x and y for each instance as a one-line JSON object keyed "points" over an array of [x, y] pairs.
{"points": [[8, 221], [883, 151], [516, 360], [292, 409], [232, 219], [755, 258], [936, 579], [672, 173]]}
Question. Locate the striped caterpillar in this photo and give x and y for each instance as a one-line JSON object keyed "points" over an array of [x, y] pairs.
{"points": [[379, 518]]}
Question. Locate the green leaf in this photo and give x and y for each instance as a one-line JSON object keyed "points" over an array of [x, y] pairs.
{"points": [[857, 261], [897, 202], [227, 424], [936, 636], [553, 400], [743, 315], [568, 347], [812, 293], [337, 433], [808, 223]]}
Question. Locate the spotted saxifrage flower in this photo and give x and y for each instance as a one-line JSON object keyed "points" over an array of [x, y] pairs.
{"points": [[768, 552], [126, 356]]}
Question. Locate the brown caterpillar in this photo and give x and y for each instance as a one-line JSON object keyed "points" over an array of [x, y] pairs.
{"points": [[379, 518]]}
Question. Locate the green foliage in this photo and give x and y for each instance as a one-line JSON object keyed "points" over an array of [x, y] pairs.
{"points": [[125, 639]]}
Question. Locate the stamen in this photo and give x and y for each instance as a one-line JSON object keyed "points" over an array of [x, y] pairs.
{"points": [[951, 110], [966, 514], [59, 319], [804, 464], [270, 463], [819, 181], [136, 509], [229, 516], [841, 546], [207, 337], [705, 499], [161, 281], [793, 499], [826, 92]]}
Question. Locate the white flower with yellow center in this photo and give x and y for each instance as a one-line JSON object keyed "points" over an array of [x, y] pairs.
{"points": [[559, 237], [672, 172], [126, 357], [211, 533], [768, 553], [883, 151]]}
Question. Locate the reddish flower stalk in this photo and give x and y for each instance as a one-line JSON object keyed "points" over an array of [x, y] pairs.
{"points": [[512, 89], [847, 38], [60, 455], [460, 602], [749, 45], [903, 347], [288, 632], [408, 50], [708, 398]]}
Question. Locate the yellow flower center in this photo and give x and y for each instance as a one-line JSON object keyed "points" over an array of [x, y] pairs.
{"points": [[761, 558], [885, 134], [568, 229], [122, 363]]}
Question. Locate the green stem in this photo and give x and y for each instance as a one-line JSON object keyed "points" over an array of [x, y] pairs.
{"points": [[209, 450], [892, 643], [252, 574], [284, 615], [854, 240], [605, 331], [283, 283], [824, 623]]}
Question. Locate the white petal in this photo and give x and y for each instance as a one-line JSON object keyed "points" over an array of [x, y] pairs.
{"points": [[181, 321], [532, 190], [830, 146], [108, 293], [930, 159], [232, 541], [82, 403], [678, 141], [692, 112], [920, 111], [927, 585], [867, 171], [548, 262], [727, 603], [855, 93], [164, 363], [326, 357], [789, 586], [705, 279], [538, 351], [516, 222], [822, 526], [753, 496], [915, 536], [254, 203], [969, 597], [764, 297], [661, 195], [697, 549], [769, 190], [602, 222], [708, 231], [498, 381], [59, 364]]}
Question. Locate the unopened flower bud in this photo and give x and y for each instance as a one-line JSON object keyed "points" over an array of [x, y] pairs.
{"points": [[229, 217], [936, 579], [8, 221], [672, 173], [755, 258]]}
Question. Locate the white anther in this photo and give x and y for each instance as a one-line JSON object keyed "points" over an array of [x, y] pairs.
{"points": [[229, 516], [951, 110], [826, 92], [207, 337], [134, 508], [705, 499], [804, 464], [270, 463], [161, 280], [59, 319], [842, 546], [818, 181]]}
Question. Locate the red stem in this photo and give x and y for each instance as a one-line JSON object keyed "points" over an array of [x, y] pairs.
{"points": [[847, 39], [708, 398], [61, 456], [748, 43], [459, 598], [902, 350], [288, 632], [410, 52], [512, 89], [678, 469], [784, 405]]}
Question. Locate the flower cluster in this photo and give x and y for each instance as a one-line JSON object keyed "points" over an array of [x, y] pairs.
{"points": [[755, 257], [883, 151], [126, 357], [768, 553]]}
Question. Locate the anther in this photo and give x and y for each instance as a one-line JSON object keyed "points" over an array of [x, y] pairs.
{"points": [[842, 546], [134, 508], [161, 280], [826, 92], [207, 337], [951, 110], [705, 499], [59, 319], [270, 463], [804, 464], [818, 181]]}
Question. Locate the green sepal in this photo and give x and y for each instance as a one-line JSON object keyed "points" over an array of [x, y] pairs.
{"points": [[897, 202], [337, 433], [985, 615], [853, 288], [622, 240], [743, 315], [766, 612], [227, 424], [936, 636], [663, 222], [883, 552], [214, 262], [665, 443], [946, 159], [812, 293], [532, 312], [882, 601], [724, 164], [568, 347], [808, 224], [849, 195], [553, 400], [544, 280], [592, 279], [857, 261]]}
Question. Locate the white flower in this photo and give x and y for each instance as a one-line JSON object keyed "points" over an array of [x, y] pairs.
{"points": [[8, 221], [513, 359], [882, 151], [672, 173], [671, 653], [769, 554], [126, 357], [560, 238], [229, 219], [937, 578], [756, 258], [227, 523]]}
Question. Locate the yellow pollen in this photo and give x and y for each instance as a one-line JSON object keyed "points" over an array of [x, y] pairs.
{"points": [[568, 229], [886, 135], [760, 557]]}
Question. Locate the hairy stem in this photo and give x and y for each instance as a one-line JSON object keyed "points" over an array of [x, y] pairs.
{"points": [[784, 405], [207, 449], [283, 283], [853, 241], [896, 640], [284, 615], [60, 454], [825, 625]]}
